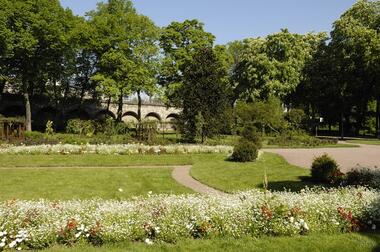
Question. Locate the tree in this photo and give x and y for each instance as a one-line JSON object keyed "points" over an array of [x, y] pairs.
{"points": [[38, 38], [180, 42], [355, 41], [272, 66], [203, 95], [125, 43]]}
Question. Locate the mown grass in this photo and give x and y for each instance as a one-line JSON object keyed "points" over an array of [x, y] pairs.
{"points": [[330, 243], [365, 141], [89, 176], [229, 176], [85, 183]]}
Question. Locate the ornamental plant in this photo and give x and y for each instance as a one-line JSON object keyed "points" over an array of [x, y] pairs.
{"points": [[326, 170]]}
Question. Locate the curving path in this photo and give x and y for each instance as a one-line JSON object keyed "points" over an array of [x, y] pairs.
{"points": [[365, 155]]}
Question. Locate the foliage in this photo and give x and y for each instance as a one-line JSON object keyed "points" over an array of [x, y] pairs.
{"points": [[245, 151], [262, 114], [296, 118], [252, 213], [272, 66], [49, 128], [203, 96], [290, 138], [325, 170], [80, 127], [250, 133], [363, 177]]}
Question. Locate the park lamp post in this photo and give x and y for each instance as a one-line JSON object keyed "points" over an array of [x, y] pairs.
{"points": [[318, 121]]}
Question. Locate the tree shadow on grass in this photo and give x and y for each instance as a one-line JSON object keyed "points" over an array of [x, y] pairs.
{"points": [[293, 185]]}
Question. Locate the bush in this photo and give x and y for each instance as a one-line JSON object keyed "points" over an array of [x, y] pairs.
{"points": [[250, 133], [363, 177], [325, 170], [245, 151], [81, 127], [299, 138]]}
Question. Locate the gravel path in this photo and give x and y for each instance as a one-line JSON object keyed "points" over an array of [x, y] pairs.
{"points": [[348, 158], [182, 175]]}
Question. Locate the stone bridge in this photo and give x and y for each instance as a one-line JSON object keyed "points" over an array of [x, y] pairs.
{"points": [[43, 110]]}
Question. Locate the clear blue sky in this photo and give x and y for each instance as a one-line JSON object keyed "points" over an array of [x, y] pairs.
{"points": [[232, 20]]}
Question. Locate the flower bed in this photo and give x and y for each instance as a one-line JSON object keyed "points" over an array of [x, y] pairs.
{"points": [[35, 225], [128, 149]]}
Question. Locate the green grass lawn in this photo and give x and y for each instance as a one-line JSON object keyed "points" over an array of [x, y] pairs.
{"points": [[365, 141], [330, 243], [89, 176], [215, 171], [85, 183]]}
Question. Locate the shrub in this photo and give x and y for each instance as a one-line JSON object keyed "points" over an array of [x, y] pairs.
{"points": [[299, 138], [363, 177], [245, 151], [325, 170], [250, 133], [81, 127]]}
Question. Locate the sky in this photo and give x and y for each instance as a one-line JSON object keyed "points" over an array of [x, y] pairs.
{"points": [[231, 20]]}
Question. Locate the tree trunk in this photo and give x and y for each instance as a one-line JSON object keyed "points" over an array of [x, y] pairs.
{"points": [[2, 86], [341, 126], [378, 117], [139, 106], [28, 112], [120, 108]]}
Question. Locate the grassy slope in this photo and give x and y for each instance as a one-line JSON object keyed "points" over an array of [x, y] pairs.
{"points": [[330, 243]]}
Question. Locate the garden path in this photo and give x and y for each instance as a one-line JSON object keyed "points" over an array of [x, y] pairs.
{"points": [[365, 155]]}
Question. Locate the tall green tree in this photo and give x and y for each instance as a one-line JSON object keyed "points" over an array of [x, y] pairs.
{"points": [[273, 66], [204, 96], [355, 43], [125, 44], [38, 31], [179, 43]]}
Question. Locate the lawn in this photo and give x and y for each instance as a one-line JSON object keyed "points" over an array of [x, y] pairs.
{"points": [[365, 141], [88, 176], [85, 183], [339, 242], [215, 171]]}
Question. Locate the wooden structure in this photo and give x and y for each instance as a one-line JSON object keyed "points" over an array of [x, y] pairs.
{"points": [[12, 129]]}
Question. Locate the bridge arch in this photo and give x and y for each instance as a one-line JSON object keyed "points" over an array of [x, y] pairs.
{"points": [[102, 114], [77, 114], [132, 114], [173, 116], [153, 115]]}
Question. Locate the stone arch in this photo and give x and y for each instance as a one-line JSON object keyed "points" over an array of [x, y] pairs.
{"points": [[130, 114], [102, 114], [172, 116], [154, 115], [14, 111]]}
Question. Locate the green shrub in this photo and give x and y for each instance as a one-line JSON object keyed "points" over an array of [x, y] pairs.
{"points": [[363, 177], [245, 151], [81, 127], [250, 133], [299, 138], [325, 170]]}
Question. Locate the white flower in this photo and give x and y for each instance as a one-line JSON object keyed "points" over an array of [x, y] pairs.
{"points": [[77, 235], [121, 190], [12, 244], [373, 227], [19, 248], [291, 219], [2, 244], [148, 241], [305, 226]]}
